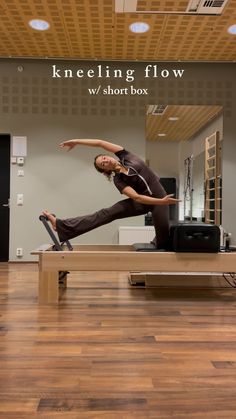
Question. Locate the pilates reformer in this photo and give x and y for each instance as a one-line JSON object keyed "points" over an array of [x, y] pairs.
{"points": [[58, 259]]}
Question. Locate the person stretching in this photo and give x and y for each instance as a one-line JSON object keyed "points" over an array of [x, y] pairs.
{"points": [[133, 178]]}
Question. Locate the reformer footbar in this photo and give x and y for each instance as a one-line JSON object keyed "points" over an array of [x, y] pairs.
{"points": [[57, 246]]}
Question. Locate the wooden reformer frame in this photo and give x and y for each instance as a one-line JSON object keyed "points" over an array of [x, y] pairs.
{"points": [[54, 264]]}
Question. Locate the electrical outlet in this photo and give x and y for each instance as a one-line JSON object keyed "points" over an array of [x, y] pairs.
{"points": [[20, 172], [19, 252]]}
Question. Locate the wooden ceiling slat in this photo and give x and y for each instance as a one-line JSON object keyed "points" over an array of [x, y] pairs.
{"points": [[85, 29]]}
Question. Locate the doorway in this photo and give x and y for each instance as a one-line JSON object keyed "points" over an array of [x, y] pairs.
{"points": [[5, 140]]}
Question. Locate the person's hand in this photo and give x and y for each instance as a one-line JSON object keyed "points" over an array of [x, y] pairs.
{"points": [[169, 200], [69, 144]]}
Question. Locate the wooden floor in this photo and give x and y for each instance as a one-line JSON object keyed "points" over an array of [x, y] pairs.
{"points": [[112, 351]]}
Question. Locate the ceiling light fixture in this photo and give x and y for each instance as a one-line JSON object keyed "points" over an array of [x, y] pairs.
{"points": [[173, 118], [39, 24], [161, 135], [139, 27], [232, 30]]}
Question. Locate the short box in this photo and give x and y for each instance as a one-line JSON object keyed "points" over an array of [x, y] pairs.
{"points": [[195, 237]]}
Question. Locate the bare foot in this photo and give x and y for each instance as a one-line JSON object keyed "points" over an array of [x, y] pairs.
{"points": [[51, 218]]}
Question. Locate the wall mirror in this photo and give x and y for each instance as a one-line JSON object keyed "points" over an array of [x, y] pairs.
{"points": [[184, 146]]}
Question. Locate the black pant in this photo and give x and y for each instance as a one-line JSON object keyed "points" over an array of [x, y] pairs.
{"points": [[72, 227]]}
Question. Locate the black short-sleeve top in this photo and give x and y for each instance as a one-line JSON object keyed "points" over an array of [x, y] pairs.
{"points": [[140, 177]]}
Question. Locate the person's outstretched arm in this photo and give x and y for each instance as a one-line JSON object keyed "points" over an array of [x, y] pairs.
{"points": [[106, 145], [149, 200]]}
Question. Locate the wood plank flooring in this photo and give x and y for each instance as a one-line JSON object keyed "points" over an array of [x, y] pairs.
{"points": [[113, 351]]}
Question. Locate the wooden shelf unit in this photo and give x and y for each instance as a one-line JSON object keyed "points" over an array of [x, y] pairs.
{"points": [[213, 179]]}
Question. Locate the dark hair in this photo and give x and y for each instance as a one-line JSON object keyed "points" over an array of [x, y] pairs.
{"points": [[108, 174]]}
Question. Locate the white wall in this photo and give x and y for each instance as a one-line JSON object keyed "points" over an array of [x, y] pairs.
{"points": [[66, 183]]}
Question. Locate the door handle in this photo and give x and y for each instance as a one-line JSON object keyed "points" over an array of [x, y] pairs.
{"points": [[7, 205]]}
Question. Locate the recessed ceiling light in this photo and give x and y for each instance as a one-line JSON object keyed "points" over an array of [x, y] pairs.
{"points": [[232, 29], [139, 27], [39, 24], [161, 134], [173, 118]]}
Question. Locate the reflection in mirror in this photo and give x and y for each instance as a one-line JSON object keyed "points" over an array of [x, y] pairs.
{"points": [[183, 145]]}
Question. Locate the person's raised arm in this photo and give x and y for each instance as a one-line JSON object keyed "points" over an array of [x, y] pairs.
{"points": [[106, 145]]}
